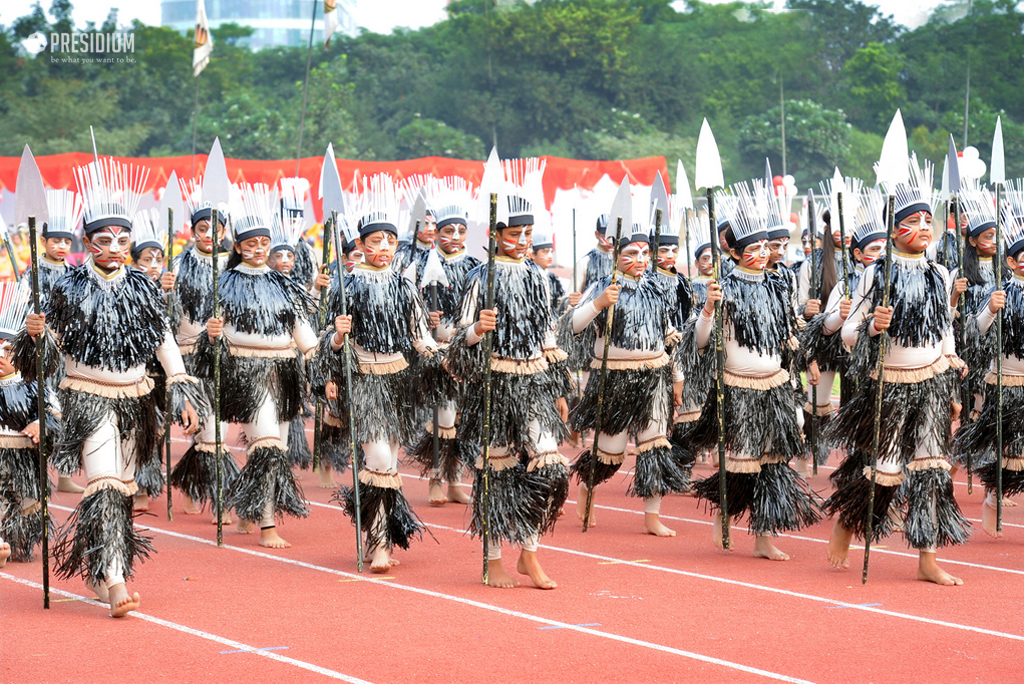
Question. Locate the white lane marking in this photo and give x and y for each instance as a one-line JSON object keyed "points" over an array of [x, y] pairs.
{"points": [[262, 652], [469, 602]]}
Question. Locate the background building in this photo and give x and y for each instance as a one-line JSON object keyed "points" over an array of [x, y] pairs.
{"points": [[275, 22]]}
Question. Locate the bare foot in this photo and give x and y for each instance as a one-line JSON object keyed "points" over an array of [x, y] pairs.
{"points": [[497, 577], [65, 484], [270, 539], [529, 565], [575, 440], [653, 525], [246, 526], [716, 534], [225, 518], [928, 570], [437, 497], [988, 519], [581, 506], [120, 603], [457, 494], [5, 553], [763, 548], [839, 547], [381, 562], [100, 590], [140, 502], [326, 477], [191, 507]]}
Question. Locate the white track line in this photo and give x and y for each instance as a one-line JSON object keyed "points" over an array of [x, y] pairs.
{"points": [[465, 601], [201, 634], [774, 590]]}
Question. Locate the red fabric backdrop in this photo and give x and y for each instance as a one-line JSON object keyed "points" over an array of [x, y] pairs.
{"points": [[560, 173]]}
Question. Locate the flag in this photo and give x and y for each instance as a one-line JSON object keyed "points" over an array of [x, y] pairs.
{"points": [[203, 40], [330, 20]]}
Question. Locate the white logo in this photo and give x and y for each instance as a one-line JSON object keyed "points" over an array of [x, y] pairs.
{"points": [[35, 43]]}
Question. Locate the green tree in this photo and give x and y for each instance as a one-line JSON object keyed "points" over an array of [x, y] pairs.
{"points": [[873, 89], [429, 137], [817, 139]]}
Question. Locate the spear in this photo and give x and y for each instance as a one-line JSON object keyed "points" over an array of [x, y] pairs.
{"points": [[620, 213], [217, 189], [433, 274], [347, 360], [709, 176], [167, 389], [6, 237], [998, 177], [892, 168], [842, 241], [686, 204], [170, 200], [815, 293], [44, 484], [485, 517], [659, 202], [965, 395], [29, 205], [321, 319], [579, 378], [216, 381]]}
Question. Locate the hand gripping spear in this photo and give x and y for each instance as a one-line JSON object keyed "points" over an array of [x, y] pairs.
{"points": [[620, 213], [998, 177], [815, 293], [30, 205], [892, 169], [709, 176]]}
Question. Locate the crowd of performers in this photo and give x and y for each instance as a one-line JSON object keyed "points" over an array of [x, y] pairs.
{"points": [[129, 347]]}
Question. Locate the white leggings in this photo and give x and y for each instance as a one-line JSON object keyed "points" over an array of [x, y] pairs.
{"points": [[105, 455], [266, 424], [828, 378], [541, 441], [616, 444]]}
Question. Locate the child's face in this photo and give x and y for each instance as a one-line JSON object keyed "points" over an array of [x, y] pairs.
{"points": [[754, 256], [914, 233], [57, 249]]}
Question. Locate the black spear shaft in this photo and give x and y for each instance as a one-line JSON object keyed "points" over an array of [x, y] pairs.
{"points": [[216, 379], [716, 258], [44, 482], [485, 514], [321, 319], [883, 344], [599, 422]]}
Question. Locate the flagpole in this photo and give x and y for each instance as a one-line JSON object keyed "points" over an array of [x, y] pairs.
{"points": [[305, 86], [195, 121]]}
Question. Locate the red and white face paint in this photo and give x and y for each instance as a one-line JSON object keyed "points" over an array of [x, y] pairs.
{"points": [[515, 241], [634, 258], [452, 237], [353, 259], [379, 249], [605, 241], [914, 233], [872, 252], [254, 250], [667, 256], [57, 249], [428, 230], [705, 265], [755, 256], [986, 243], [109, 247], [544, 257]]}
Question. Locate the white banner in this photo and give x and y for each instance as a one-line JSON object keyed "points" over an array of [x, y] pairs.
{"points": [[203, 40]]}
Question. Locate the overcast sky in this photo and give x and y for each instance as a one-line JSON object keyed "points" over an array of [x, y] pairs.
{"points": [[375, 15]]}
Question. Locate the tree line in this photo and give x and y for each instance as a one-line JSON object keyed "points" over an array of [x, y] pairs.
{"points": [[589, 79]]}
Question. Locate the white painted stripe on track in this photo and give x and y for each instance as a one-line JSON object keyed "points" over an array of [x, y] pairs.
{"points": [[874, 549], [774, 590], [477, 604], [199, 633]]}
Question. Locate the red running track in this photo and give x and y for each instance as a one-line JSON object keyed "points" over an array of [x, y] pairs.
{"points": [[629, 607]]}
